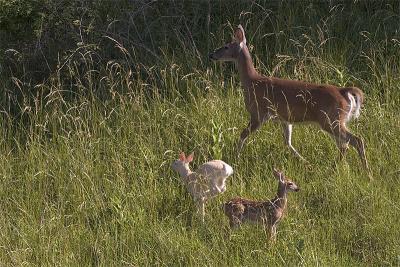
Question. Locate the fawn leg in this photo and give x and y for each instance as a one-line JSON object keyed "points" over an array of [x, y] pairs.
{"points": [[234, 222], [272, 232], [201, 209], [218, 186]]}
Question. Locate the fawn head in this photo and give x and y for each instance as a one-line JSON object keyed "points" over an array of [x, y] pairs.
{"points": [[285, 181], [181, 165], [230, 51]]}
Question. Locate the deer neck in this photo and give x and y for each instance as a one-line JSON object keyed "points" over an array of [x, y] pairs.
{"points": [[247, 72], [281, 199], [185, 172]]}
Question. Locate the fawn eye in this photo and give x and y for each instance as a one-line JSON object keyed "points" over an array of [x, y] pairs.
{"points": [[226, 48]]}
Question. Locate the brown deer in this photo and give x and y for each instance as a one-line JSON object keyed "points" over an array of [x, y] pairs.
{"points": [[291, 101], [269, 212]]}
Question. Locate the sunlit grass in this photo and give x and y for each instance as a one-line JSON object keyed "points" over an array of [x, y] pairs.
{"points": [[86, 177], [100, 189]]}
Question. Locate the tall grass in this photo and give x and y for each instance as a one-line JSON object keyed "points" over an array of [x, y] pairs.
{"points": [[85, 161]]}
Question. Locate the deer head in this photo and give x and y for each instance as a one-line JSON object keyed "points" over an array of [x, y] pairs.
{"points": [[181, 165], [230, 51], [285, 182]]}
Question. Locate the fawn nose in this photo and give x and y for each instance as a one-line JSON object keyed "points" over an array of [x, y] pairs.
{"points": [[211, 56]]}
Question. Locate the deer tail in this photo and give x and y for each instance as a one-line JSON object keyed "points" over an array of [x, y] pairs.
{"points": [[354, 97]]}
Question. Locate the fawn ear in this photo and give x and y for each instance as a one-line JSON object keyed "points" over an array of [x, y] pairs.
{"points": [[190, 157], [279, 175], [182, 156], [239, 35]]}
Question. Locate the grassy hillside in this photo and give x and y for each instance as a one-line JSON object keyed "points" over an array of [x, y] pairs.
{"points": [[85, 153]]}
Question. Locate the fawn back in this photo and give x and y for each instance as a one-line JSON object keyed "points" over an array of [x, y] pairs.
{"points": [[208, 180]]}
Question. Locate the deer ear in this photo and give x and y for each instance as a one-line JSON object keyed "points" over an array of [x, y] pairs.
{"points": [[279, 175], [182, 156], [190, 157], [239, 35]]}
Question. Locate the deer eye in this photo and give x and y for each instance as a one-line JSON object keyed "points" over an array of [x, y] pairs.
{"points": [[226, 48]]}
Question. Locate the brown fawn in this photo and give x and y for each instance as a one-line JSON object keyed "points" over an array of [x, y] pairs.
{"points": [[269, 212], [291, 101], [208, 181]]}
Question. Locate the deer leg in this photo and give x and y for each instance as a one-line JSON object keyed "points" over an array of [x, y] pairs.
{"points": [[218, 189], [201, 209], [215, 190], [343, 137], [358, 144], [233, 223], [272, 231], [253, 125], [334, 130], [343, 147], [223, 189], [217, 186], [287, 133]]}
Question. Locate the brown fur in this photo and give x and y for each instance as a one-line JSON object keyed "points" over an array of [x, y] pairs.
{"points": [[291, 101], [268, 213]]}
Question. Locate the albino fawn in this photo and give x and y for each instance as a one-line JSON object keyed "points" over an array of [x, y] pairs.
{"points": [[269, 212], [206, 182], [290, 101]]}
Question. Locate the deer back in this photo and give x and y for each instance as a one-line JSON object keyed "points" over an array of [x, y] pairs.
{"points": [[294, 101], [215, 169], [252, 211]]}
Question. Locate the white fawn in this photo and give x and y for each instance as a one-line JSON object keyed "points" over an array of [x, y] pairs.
{"points": [[269, 212], [206, 182], [291, 101]]}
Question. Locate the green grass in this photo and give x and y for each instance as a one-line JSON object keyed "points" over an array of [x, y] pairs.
{"points": [[100, 189], [85, 175]]}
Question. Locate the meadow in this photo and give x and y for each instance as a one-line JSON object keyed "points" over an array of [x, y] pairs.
{"points": [[86, 146]]}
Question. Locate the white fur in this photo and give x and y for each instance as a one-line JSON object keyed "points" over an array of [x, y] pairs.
{"points": [[208, 181], [354, 107], [287, 132], [358, 108]]}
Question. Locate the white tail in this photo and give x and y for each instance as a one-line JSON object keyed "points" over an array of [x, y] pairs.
{"points": [[355, 104], [206, 182], [269, 212], [290, 101]]}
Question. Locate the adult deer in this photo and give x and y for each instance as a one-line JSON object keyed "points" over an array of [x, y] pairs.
{"points": [[291, 101]]}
